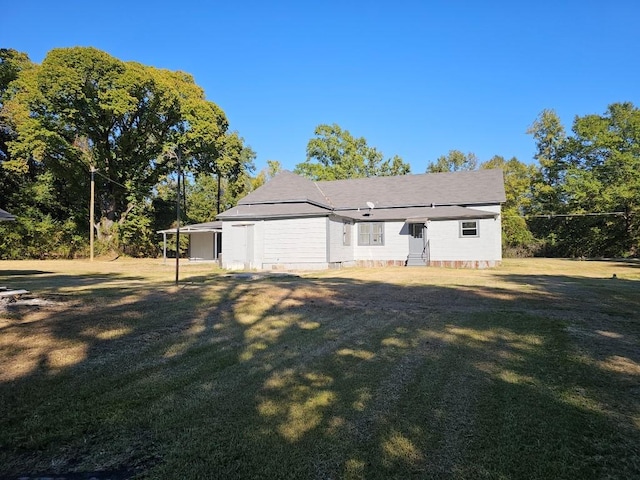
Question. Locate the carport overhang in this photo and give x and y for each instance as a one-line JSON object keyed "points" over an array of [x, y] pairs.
{"points": [[209, 227]]}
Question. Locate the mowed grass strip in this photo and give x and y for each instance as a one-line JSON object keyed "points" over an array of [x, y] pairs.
{"points": [[530, 370]]}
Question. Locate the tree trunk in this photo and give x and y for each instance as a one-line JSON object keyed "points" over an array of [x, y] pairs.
{"points": [[105, 234], [104, 230]]}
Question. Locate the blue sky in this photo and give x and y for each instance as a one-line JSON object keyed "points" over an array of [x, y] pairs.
{"points": [[415, 78]]}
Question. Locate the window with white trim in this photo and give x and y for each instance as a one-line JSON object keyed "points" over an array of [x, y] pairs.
{"points": [[371, 233], [469, 228]]}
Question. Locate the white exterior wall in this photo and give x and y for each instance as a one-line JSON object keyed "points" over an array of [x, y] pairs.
{"points": [[317, 243], [395, 248], [236, 250], [295, 243], [292, 243], [201, 246], [338, 251], [446, 244]]}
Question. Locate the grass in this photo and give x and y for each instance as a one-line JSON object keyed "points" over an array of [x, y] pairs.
{"points": [[527, 371]]}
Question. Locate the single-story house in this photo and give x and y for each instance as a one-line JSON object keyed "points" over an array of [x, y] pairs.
{"points": [[290, 223], [6, 216], [205, 240]]}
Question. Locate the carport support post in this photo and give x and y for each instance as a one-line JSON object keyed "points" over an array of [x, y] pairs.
{"points": [[178, 219], [164, 247]]}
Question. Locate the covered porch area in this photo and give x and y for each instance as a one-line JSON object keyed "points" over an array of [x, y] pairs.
{"points": [[205, 241]]}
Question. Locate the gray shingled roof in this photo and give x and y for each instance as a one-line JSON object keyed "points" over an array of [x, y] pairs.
{"points": [[452, 188], [286, 187], [400, 197]]}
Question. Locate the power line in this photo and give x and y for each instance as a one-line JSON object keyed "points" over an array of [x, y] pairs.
{"points": [[110, 180], [555, 215]]}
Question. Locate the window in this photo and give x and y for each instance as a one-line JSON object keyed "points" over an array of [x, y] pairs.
{"points": [[416, 229], [469, 228], [371, 233], [346, 233]]}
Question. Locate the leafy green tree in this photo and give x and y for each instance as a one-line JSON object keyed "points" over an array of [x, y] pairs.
{"points": [[84, 108], [202, 199], [603, 174], [551, 140], [207, 194], [135, 234], [517, 239], [266, 174], [454, 161], [273, 168], [236, 182], [335, 154], [12, 63], [45, 226], [587, 177]]}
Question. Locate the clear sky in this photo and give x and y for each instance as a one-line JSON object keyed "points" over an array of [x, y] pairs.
{"points": [[415, 78]]}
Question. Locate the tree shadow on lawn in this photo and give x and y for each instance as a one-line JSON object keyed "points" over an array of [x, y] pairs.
{"points": [[623, 262], [43, 283], [330, 378], [19, 273]]}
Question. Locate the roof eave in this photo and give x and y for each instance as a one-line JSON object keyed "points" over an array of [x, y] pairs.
{"points": [[273, 216], [421, 205], [289, 200]]}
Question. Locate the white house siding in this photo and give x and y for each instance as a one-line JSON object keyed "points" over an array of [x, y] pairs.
{"points": [[243, 244], [317, 243], [448, 248], [201, 246], [295, 243], [340, 254], [394, 251]]}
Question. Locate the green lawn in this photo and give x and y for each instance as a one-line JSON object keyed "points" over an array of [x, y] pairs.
{"points": [[527, 371]]}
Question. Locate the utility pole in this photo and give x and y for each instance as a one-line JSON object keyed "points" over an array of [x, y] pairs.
{"points": [[91, 209], [178, 218], [219, 194]]}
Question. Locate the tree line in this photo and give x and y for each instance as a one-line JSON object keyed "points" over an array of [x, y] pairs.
{"points": [[82, 110]]}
